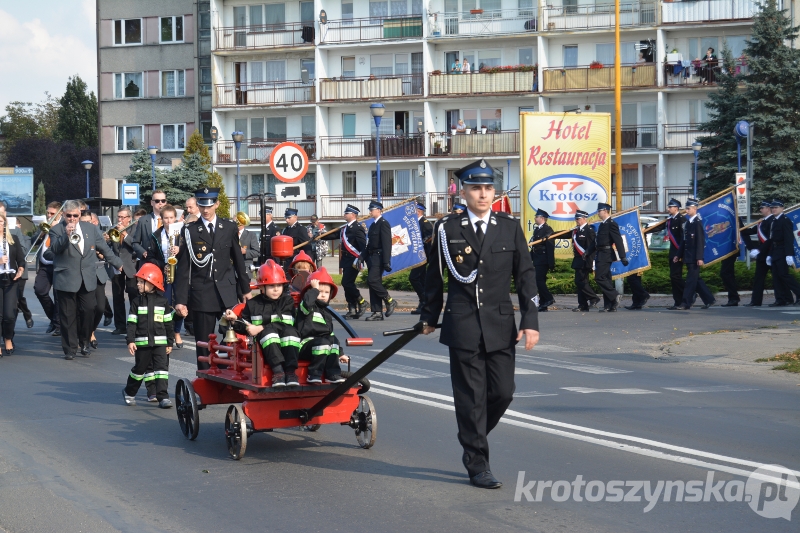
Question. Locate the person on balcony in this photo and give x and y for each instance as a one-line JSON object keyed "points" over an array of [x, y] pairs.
{"points": [[710, 64], [461, 127], [398, 131], [465, 68], [456, 68]]}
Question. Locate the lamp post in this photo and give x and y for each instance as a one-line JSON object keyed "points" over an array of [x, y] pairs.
{"points": [[88, 166], [237, 137], [153, 151], [377, 111], [696, 148]]}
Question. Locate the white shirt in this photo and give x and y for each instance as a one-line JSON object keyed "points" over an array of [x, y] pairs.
{"points": [[213, 222], [5, 267], [583, 226], [154, 223], [473, 218], [79, 233], [692, 219], [376, 219]]}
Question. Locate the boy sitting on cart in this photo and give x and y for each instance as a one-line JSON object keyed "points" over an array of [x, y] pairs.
{"points": [[269, 317], [315, 324]]}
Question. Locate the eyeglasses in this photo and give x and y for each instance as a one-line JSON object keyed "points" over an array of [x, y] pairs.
{"points": [[67, 215], [160, 200]]}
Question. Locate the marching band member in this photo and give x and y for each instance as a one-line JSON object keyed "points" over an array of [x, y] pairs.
{"points": [[727, 273], [191, 214], [607, 240], [757, 241], [583, 243], [93, 316], [691, 252], [25, 243], [674, 234], [12, 263], [125, 281], [43, 282], [353, 241], [148, 224], [417, 274], [543, 257], [378, 256], [781, 256]]}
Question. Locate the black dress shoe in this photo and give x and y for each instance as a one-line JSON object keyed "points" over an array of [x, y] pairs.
{"points": [[485, 480], [751, 304], [548, 303], [778, 304], [580, 310], [29, 322], [84, 350], [730, 304], [93, 343], [107, 321], [646, 299], [593, 302], [682, 308], [706, 306], [417, 311], [120, 331], [633, 307], [542, 309], [390, 307], [69, 357], [56, 332], [51, 328], [374, 316], [674, 307]]}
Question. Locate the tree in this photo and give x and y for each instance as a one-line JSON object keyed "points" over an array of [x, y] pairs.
{"points": [[25, 120], [77, 115], [186, 178], [196, 145], [224, 209], [141, 168], [40, 202]]}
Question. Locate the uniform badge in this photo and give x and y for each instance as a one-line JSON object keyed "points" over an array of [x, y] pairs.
{"points": [[203, 248], [199, 256], [459, 259], [220, 226], [205, 190], [468, 250]]}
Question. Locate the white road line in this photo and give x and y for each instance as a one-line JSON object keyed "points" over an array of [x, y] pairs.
{"points": [[551, 348], [578, 367], [402, 371], [713, 388], [589, 390], [422, 356], [602, 442], [791, 312], [526, 372], [531, 394]]}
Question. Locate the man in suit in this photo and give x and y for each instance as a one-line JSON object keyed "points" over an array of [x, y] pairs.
{"points": [[298, 233], [543, 256], [482, 250], [43, 282], [124, 281], [210, 263], [756, 240], [583, 243], [691, 252], [417, 275], [147, 225], [378, 257], [607, 240], [75, 275], [781, 255], [353, 241], [674, 234], [249, 244]]}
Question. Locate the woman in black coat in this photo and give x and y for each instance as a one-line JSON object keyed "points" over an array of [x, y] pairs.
{"points": [[12, 265], [710, 64]]}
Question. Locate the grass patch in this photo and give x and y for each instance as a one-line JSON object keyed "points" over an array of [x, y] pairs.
{"points": [[790, 360]]}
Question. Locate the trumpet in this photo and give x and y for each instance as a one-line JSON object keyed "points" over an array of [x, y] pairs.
{"points": [[75, 236], [44, 229], [242, 218], [171, 260], [116, 235]]}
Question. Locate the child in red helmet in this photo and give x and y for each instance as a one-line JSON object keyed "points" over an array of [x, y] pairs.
{"points": [[302, 262], [315, 324], [271, 319], [150, 336]]}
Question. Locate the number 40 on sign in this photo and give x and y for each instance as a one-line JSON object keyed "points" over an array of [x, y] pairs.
{"points": [[289, 162]]}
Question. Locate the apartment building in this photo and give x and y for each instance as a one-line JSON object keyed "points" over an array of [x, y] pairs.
{"points": [[307, 71], [147, 88]]}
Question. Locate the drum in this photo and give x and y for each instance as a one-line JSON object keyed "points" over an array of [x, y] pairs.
{"points": [[282, 246]]}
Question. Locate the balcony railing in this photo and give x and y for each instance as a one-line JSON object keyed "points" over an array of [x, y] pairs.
{"points": [[638, 137], [389, 86], [475, 144], [594, 79], [581, 17], [257, 151], [633, 196], [492, 22], [481, 83], [681, 136], [699, 72], [679, 193], [370, 29], [264, 36], [708, 10], [364, 147], [305, 208], [265, 93]]}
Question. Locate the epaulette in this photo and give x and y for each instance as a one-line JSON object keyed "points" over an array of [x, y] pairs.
{"points": [[503, 214]]}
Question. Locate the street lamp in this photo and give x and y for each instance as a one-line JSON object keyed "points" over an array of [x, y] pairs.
{"points": [[740, 131], [88, 166], [152, 150], [237, 137], [377, 111], [696, 148]]}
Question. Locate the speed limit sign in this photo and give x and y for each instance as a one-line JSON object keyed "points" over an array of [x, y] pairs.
{"points": [[289, 162]]}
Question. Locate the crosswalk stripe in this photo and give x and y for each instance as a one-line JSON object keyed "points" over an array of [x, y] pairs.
{"points": [[713, 388], [589, 390], [578, 367], [531, 394], [401, 371], [446, 360], [527, 372]]}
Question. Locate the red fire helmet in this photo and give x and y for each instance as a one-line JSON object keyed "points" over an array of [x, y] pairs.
{"points": [[150, 272], [270, 273], [238, 308], [302, 256], [322, 276]]}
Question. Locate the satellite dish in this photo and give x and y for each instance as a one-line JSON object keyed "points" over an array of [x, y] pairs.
{"points": [[323, 17]]}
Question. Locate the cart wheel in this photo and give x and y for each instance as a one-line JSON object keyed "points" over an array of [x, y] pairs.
{"points": [[186, 407], [366, 422], [312, 427], [364, 382], [236, 431]]}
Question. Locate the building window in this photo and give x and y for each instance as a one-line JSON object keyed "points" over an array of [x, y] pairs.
{"points": [[172, 29], [492, 119], [130, 138], [127, 31], [527, 56], [205, 80], [276, 128], [348, 125], [256, 130], [308, 127], [387, 183], [128, 85], [347, 9], [206, 129], [173, 137], [173, 83], [349, 183], [349, 67]]}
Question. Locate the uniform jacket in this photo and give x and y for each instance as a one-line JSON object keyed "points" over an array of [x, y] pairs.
{"points": [[758, 237], [585, 237], [356, 238], [379, 241], [271, 231], [313, 320], [543, 254], [426, 228], [25, 243], [299, 235], [674, 227], [16, 255], [608, 235], [155, 254], [150, 321], [249, 239], [142, 235], [483, 308], [694, 241], [124, 249], [214, 285], [262, 311], [70, 266], [782, 237]]}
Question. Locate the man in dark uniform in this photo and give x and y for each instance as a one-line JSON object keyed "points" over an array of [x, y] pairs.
{"points": [[270, 230], [583, 242], [543, 257], [781, 255], [608, 240], [674, 234], [378, 256], [482, 250], [691, 252], [639, 295], [298, 233], [210, 263], [417, 275], [353, 241], [756, 240]]}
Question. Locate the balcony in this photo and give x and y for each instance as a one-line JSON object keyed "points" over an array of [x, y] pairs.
{"points": [[584, 17], [708, 11], [699, 72], [264, 37], [475, 144], [332, 206], [484, 24], [257, 151], [305, 208], [682, 136], [364, 147], [679, 193], [390, 28], [633, 196], [598, 79], [394, 86], [265, 93], [638, 137], [481, 83]]}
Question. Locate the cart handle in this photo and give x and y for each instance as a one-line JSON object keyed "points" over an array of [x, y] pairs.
{"points": [[417, 328]]}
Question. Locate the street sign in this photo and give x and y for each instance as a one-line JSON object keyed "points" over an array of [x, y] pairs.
{"points": [[290, 191], [741, 193], [289, 162], [130, 194]]}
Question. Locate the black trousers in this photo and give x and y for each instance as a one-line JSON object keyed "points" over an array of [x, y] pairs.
{"points": [[8, 305], [151, 366], [417, 279], [73, 307], [101, 304], [585, 291], [41, 287], [695, 284], [22, 303], [638, 294], [351, 293], [278, 344], [377, 293], [483, 387], [541, 284], [120, 285], [323, 352], [759, 280], [602, 276], [204, 323], [676, 280], [727, 273], [781, 277]]}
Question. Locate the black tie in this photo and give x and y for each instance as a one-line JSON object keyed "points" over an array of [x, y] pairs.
{"points": [[211, 229], [479, 231]]}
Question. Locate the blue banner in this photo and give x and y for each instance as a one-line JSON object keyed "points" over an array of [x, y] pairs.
{"points": [[408, 250], [722, 231], [794, 216], [635, 246]]}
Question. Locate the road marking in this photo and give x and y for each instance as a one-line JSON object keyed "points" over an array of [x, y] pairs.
{"points": [[531, 394], [578, 367], [791, 312], [401, 371], [589, 390], [602, 442], [526, 372], [422, 356], [713, 388], [551, 348]]}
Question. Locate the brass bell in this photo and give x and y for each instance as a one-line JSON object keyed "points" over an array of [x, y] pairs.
{"points": [[230, 337]]}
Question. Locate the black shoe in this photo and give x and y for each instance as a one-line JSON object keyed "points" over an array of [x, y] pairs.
{"points": [[334, 378], [350, 312], [580, 309], [51, 328], [314, 379], [56, 332], [646, 299], [278, 380], [682, 308], [69, 357], [548, 303], [120, 331], [93, 343], [291, 380], [706, 306], [29, 322], [85, 350], [778, 304], [730, 304], [361, 308], [542, 308], [485, 480], [593, 302], [418, 310], [751, 304], [374, 316], [390, 307], [674, 307], [607, 309], [633, 307], [107, 321]]}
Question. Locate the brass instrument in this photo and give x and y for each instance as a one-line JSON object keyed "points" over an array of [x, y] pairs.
{"points": [[242, 218], [116, 235], [44, 229], [171, 260], [75, 236]]}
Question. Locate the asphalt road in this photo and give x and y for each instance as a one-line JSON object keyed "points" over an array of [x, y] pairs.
{"points": [[589, 402]]}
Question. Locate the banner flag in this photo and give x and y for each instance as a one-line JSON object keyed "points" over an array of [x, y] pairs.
{"points": [[635, 245], [407, 247], [793, 214], [721, 228], [502, 204]]}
